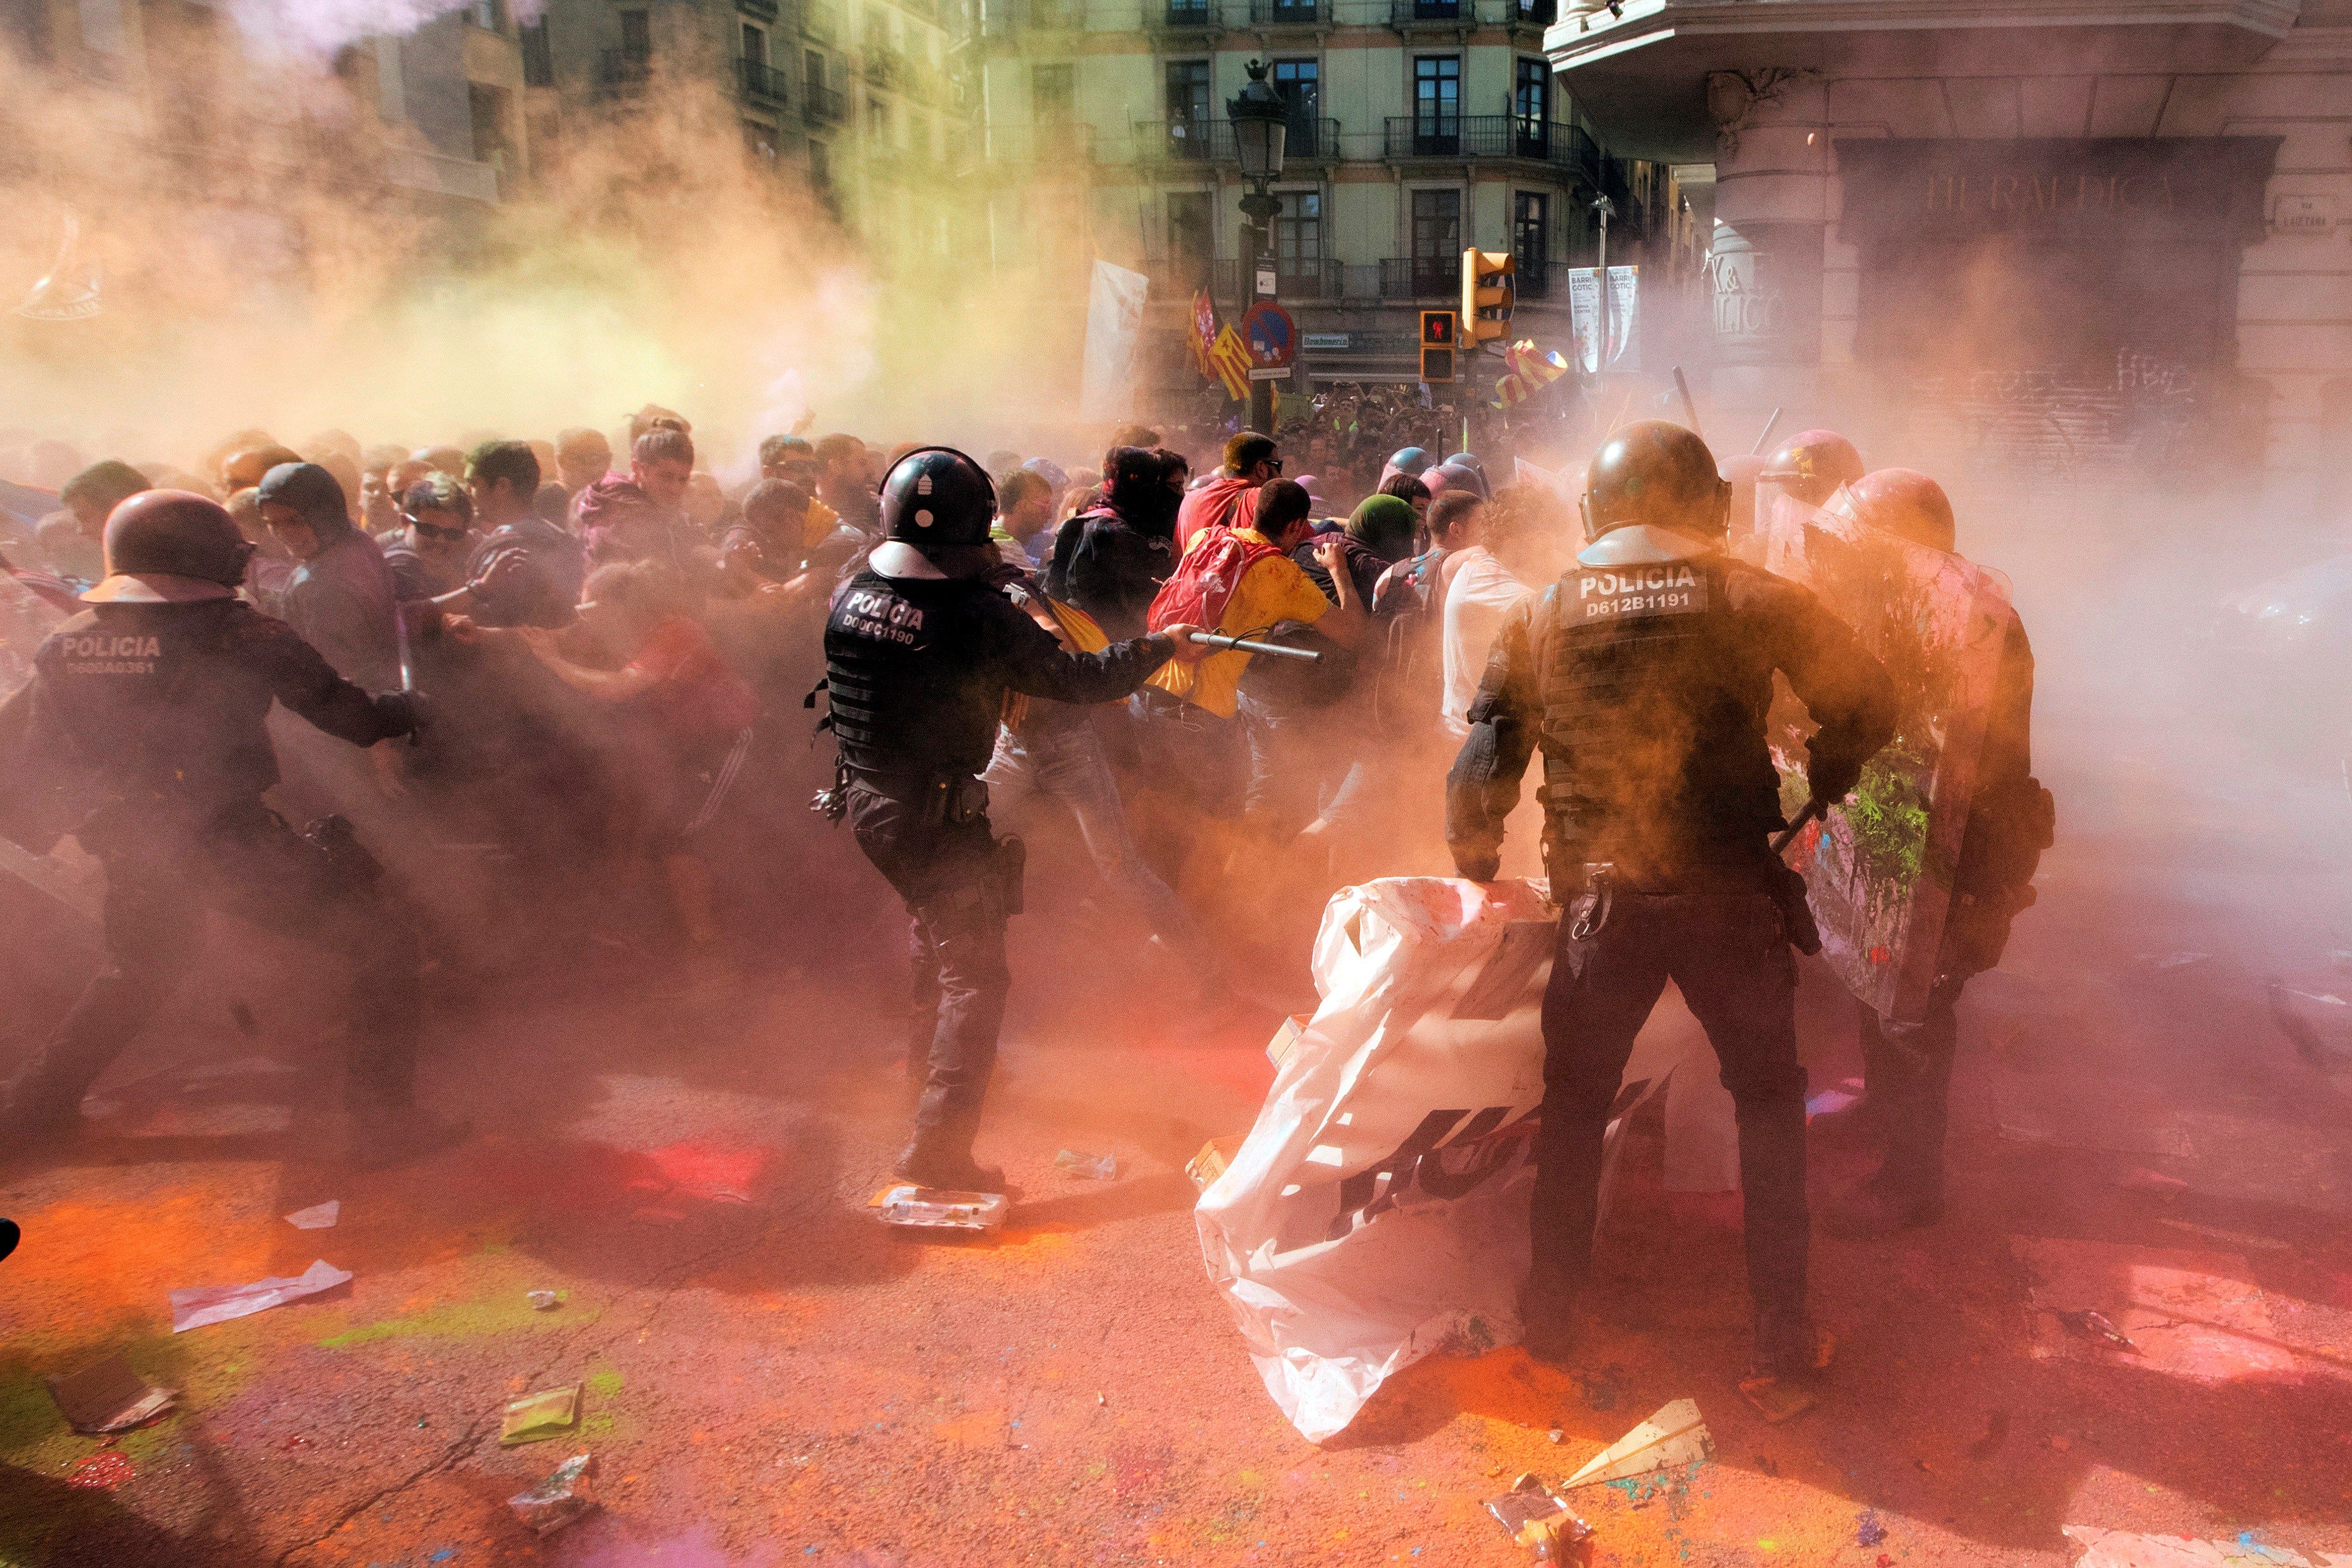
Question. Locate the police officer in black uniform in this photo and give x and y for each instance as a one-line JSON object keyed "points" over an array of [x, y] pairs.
{"points": [[920, 650], [140, 734], [1644, 676]]}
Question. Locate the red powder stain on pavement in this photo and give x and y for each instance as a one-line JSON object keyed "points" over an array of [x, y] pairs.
{"points": [[103, 1256], [705, 1170], [99, 1472]]}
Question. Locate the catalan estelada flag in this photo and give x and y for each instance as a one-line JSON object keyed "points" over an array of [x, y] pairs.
{"points": [[1527, 371], [1230, 357]]}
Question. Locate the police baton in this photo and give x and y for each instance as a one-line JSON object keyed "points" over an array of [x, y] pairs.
{"points": [[1805, 819], [407, 663], [1216, 639]]}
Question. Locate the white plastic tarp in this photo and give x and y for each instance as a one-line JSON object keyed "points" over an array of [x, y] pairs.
{"points": [[1378, 1210]]}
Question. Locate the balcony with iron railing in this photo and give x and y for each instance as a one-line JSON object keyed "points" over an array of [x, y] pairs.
{"points": [[1421, 277], [824, 105], [1548, 141], [760, 81], [1018, 19], [1305, 141], [1233, 280], [1290, 13], [1408, 15], [884, 68], [620, 73], [1195, 18]]}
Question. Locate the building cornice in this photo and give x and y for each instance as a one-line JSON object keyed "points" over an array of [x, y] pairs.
{"points": [[1591, 35]]}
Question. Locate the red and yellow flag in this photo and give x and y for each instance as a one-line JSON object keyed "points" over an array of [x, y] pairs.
{"points": [[1202, 339], [1230, 357], [1528, 370]]}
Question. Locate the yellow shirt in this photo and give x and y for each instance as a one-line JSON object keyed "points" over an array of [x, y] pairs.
{"points": [[1272, 590]]}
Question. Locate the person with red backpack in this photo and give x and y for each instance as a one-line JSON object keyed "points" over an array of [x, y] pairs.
{"points": [[1241, 582]]}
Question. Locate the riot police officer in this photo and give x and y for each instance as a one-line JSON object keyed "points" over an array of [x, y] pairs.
{"points": [[140, 734], [1812, 465], [1644, 676], [920, 651], [1906, 1067]]}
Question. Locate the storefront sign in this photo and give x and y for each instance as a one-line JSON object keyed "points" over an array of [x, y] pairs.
{"points": [[2106, 188]]}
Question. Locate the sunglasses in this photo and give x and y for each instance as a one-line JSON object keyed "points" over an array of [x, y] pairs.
{"points": [[443, 535]]}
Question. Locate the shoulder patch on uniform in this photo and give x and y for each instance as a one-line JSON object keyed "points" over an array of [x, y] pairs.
{"points": [[1664, 588]]}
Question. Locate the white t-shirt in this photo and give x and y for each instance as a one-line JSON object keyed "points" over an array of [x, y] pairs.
{"points": [[1480, 595]]}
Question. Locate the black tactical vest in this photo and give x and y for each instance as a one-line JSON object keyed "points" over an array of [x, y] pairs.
{"points": [[1653, 701], [905, 678]]}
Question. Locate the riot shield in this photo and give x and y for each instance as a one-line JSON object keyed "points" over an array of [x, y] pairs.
{"points": [[1879, 870], [26, 619]]}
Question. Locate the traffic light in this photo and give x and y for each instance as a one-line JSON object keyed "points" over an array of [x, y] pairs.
{"points": [[1437, 340], [1487, 296]]}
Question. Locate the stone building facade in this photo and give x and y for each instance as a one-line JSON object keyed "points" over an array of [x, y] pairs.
{"points": [[2111, 234]]}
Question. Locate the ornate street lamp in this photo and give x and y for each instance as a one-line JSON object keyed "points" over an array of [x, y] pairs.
{"points": [[1261, 121]]}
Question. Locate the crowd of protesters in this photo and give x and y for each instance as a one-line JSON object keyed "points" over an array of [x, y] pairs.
{"points": [[617, 653]]}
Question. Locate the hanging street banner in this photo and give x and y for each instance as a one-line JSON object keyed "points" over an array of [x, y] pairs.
{"points": [[1624, 317], [1114, 315]]}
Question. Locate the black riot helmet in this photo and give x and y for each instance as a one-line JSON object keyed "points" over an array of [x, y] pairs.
{"points": [[935, 498], [1656, 475], [170, 547]]}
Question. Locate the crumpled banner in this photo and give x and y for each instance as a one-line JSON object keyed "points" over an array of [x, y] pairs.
{"points": [[1378, 1210], [193, 1309]]}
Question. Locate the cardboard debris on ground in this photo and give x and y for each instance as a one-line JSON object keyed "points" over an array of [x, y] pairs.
{"points": [[194, 1307], [938, 1208], [558, 1500], [2122, 1549], [1537, 1518], [2191, 1314], [109, 1397], [318, 1216], [1217, 1156], [1776, 1399], [1673, 1435], [1285, 1038], [1100, 1167], [535, 1418]]}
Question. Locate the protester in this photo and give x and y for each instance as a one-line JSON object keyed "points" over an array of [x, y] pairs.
{"points": [[684, 698], [1480, 590], [1229, 498], [845, 481], [521, 570], [638, 515], [1025, 504], [1239, 582], [582, 457], [1110, 562], [339, 596], [427, 557], [92, 495]]}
